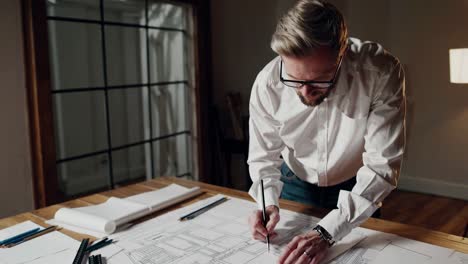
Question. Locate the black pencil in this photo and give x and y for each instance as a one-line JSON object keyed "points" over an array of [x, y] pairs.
{"points": [[98, 259], [97, 245], [34, 235], [202, 210], [81, 251], [264, 215], [91, 260]]}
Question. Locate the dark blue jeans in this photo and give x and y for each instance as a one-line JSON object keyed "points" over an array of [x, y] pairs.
{"points": [[297, 190]]}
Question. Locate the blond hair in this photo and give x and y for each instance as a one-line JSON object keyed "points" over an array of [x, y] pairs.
{"points": [[310, 24]]}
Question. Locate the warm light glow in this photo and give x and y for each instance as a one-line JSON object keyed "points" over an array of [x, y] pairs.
{"points": [[459, 65]]}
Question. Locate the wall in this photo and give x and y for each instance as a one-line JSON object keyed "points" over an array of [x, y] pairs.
{"points": [[241, 32], [16, 194], [418, 32], [440, 108]]}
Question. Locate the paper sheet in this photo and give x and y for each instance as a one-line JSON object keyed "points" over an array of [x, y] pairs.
{"points": [[220, 235], [108, 251], [118, 210], [164, 197], [77, 229], [67, 256], [62, 257], [103, 219], [73, 217], [459, 258], [40, 247], [18, 229], [382, 248], [393, 254]]}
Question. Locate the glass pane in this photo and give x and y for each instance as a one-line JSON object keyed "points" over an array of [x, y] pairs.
{"points": [[171, 156], [126, 55], [131, 163], [167, 56], [170, 108], [128, 116], [84, 175], [75, 55], [83, 9], [184, 151], [129, 11], [168, 15], [80, 123]]}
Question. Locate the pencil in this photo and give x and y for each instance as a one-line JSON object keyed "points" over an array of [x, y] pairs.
{"points": [[99, 244], [91, 260], [264, 215], [19, 236], [98, 259], [32, 236], [81, 251], [202, 210]]}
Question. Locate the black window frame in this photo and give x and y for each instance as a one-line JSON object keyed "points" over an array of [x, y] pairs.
{"points": [[40, 93]]}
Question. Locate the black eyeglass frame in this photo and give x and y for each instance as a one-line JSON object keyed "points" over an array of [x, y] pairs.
{"points": [[311, 83]]}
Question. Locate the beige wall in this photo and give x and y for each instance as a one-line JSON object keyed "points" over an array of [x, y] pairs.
{"points": [[418, 32], [15, 164], [241, 32]]}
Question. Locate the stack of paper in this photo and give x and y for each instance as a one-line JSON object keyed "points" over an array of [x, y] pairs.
{"points": [[102, 219]]}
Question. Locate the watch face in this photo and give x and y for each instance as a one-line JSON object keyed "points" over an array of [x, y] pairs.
{"points": [[324, 235]]}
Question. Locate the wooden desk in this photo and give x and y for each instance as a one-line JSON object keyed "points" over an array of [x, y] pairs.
{"points": [[416, 233]]}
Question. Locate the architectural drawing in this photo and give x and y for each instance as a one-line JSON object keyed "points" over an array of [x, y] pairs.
{"points": [[385, 248], [222, 236], [219, 236]]}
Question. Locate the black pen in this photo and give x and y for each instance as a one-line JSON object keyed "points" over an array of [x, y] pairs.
{"points": [[264, 216], [202, 210]]}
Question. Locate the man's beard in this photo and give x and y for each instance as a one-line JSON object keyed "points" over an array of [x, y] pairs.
{"points": [[315, 102]]}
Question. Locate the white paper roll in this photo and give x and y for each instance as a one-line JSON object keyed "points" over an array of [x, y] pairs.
{"points": [[83, 220]]}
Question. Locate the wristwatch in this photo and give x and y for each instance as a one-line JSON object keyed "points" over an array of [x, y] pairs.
{"points": [[324, 235]]}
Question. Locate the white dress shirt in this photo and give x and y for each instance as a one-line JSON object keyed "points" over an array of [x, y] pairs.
{"points": [[359, 130]]}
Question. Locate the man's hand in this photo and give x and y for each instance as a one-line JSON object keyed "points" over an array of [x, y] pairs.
{"points": [[309, 248], [259, 232]]}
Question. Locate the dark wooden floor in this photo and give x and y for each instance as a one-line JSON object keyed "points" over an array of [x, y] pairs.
{"points": [[429, 211]]}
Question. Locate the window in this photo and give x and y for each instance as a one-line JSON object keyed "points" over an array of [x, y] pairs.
{"points": [[122, 75]]}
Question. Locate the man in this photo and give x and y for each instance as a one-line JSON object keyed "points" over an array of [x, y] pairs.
{"points": [[333, 107]]}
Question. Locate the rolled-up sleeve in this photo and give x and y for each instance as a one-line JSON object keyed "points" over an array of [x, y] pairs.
{"points": [[265, 146], [384, 147]]}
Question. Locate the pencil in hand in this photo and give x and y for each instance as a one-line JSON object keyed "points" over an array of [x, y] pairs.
{"points": [[265, 218]]}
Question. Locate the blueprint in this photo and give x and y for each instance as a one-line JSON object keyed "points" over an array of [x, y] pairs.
{"points": [[385, 248], [219, 236]]}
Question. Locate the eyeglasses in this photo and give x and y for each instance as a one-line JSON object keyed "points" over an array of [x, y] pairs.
{"points": [[317, 84]]}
